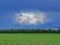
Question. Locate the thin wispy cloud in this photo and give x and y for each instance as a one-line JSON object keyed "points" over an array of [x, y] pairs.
{"points": [[31, 18]]}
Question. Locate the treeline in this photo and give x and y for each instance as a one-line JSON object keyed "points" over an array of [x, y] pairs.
{"points": [[30, 31]]}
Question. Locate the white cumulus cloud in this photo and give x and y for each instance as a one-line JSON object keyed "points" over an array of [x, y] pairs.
{"points": [[31, 18]]}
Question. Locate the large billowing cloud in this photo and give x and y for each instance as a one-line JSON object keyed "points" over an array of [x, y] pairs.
{"points": [[31, 18]]}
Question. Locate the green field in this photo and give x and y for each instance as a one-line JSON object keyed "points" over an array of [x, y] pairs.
{"points": [[30, 39]]}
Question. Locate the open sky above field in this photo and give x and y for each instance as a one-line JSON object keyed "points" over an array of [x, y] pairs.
{"points": [[29, 14]]}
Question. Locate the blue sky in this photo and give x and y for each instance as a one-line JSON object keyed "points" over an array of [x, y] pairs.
{"points": [[9, 10]]}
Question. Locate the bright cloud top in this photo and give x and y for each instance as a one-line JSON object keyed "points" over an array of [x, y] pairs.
{"points": [[31, 18]]}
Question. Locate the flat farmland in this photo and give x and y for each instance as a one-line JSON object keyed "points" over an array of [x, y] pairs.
{"points": [[30, 39]]}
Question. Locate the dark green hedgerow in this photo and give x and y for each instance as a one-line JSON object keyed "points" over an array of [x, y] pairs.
{"points": [[30, 31]]}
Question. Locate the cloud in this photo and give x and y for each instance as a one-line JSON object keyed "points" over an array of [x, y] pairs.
{"points": [[31, 18]]}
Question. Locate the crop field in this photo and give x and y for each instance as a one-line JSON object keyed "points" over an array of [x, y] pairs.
{"points": [[30, 39]]}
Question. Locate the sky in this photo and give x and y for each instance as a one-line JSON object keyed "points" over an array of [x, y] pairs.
{"points": [[29, 14]]}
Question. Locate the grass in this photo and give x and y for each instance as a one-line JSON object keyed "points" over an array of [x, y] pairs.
{"points": [[30, 39]]}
